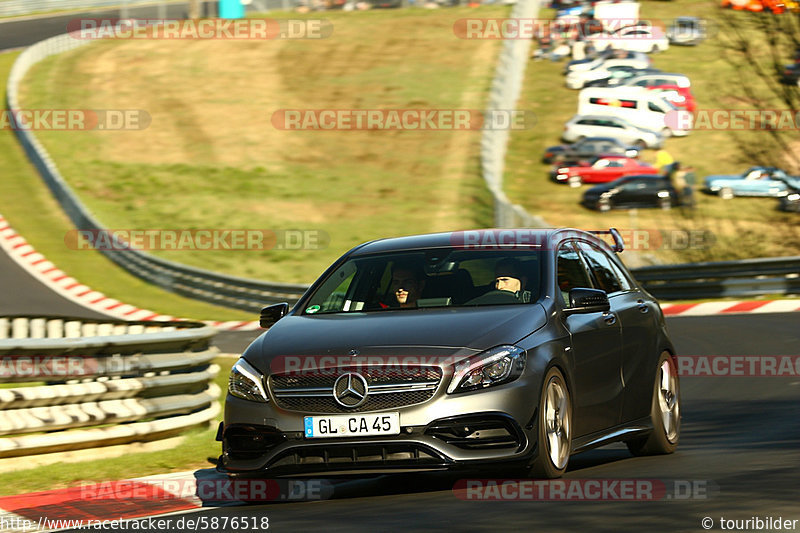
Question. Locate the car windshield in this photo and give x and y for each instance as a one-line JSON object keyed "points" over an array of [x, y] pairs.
{"points": [[441, 277]]}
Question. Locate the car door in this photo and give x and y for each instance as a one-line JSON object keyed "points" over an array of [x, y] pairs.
{"points": [[629, 193], [596, 349], [637, 314]]}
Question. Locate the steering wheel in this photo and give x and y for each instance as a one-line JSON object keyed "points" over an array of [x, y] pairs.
{"points": [[494, 296]]}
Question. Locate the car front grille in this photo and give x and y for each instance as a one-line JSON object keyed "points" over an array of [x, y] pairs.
{"points": [[361, 455], [387, 389]]}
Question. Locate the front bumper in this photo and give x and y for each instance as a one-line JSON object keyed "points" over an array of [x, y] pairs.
{"points": [[444, 444], [447, 431]]}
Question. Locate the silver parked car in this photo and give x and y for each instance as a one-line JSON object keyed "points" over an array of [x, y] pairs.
{"points": [[581, 126]]}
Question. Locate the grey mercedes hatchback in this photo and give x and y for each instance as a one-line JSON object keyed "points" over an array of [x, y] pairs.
{"points": [[482, 348]]}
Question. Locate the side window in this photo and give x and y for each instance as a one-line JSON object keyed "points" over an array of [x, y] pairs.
{"points": [[653, 107], [603, 272], [570, 271]]}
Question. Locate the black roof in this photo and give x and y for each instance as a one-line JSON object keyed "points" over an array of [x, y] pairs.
{"points": [[515, 236]]}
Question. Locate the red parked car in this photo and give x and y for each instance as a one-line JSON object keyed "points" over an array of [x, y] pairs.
{"points": [[603, 169]]}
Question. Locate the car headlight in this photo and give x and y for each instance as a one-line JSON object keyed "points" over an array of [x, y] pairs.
{"points": [[492, 367], [247, 383], [793, 197]]}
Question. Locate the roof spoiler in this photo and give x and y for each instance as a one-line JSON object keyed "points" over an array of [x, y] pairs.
{"points": [[619, 244]]}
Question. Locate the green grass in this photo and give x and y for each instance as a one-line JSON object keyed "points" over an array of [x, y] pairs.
{"points": [[33, 212], [212, 159], [744, 227], [192, 454]]}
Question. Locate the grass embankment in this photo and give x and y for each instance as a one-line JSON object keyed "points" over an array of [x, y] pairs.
{"points": [[31, 209], [211, 158], [743, 227], [192, 454]]}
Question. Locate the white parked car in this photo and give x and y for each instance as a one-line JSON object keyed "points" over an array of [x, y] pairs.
{"points": [[610, 58], [644, 108], [580, 78], [581, 126], [639, 38]]}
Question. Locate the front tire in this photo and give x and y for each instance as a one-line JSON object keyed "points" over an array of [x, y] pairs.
{"points": [[665, 412], [726, 193], [554, 428]]}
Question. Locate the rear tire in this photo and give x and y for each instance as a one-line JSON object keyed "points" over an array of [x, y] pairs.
{"points": [[665, 412], [554, 428]]}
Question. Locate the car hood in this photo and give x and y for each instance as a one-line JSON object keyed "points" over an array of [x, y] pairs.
{"points": [[446, 333]]}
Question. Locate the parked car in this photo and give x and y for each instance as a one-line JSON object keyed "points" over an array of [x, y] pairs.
{"points": [[618, 75], [610, 58], [590, 78], [776, 7], [603, 169], [790, 202], [636, 38], [587, 149], [466, 374], [791, 74], [666, 83], [755, 181], [687, 31], [581, 126], [646, 109], [632, 191]]}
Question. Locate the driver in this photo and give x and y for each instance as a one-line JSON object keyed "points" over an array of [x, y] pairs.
{"points": [[509, 277], [407, 283]]}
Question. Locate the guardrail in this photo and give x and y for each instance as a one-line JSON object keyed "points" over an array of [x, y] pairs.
{"points": [[24, 7], [504, 94], [744, 278], [104, 383]]}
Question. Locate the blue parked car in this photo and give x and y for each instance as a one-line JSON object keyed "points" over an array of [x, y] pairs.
{"points": [[755, 181]]}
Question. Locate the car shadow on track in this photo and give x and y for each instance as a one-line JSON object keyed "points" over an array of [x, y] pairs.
{"points": [[215, 489]]}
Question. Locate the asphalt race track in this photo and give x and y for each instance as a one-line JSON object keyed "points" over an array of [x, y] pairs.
{"points": [[25, 31], [740, 446]]}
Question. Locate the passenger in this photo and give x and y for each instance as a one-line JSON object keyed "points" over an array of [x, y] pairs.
{"points": [[509, 277], [407, 284]]}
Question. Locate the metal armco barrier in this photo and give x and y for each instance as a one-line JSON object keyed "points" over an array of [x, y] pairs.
{"points": [[748, 277], [138, 380], [504, 95]]}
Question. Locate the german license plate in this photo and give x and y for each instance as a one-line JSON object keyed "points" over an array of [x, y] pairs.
{"points": [[352, 425]]}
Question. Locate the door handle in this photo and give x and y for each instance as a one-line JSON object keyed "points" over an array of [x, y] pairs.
{"points": [[610, 318], [642, 306]]}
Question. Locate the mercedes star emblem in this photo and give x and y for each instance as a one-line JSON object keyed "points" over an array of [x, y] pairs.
{"points": [[350, 390]]}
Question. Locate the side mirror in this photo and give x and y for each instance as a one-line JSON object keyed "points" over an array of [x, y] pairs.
{"points": [[587, 301], [272, 313]]}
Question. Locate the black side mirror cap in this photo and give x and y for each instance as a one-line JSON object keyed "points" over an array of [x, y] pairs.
{"points": [[272, 313], [587, 301]]}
